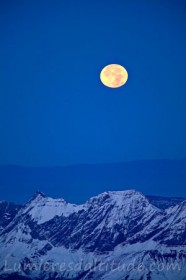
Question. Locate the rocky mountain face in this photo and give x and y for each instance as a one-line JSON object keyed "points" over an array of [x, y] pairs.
{"points": [[8, 211], [115, 235], [164, 202]]}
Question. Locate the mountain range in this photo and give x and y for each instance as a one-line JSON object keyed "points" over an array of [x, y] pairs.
{"points": [[114, 235]]}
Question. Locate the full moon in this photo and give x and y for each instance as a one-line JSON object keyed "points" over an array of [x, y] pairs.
{"points": [[114, 75]]}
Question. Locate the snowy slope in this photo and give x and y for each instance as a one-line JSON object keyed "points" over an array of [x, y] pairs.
{"points": [[43, 209]]}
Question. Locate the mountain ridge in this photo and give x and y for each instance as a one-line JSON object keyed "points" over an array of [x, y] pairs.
{"points": [[113, 226]]}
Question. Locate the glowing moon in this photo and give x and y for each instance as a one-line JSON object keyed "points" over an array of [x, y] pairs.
{"points": [[114, 75]]}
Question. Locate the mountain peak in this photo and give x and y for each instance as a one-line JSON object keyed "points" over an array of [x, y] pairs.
{"points": [[39, 193], [126, 199], [119, 194], [42, 208], [129, 192]]}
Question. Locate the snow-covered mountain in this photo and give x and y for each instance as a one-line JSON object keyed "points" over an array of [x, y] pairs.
{"points": [[115, 235], [43, 209]]}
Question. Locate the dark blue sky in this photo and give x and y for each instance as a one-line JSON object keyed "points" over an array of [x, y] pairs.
{"points": [[54, 109]]}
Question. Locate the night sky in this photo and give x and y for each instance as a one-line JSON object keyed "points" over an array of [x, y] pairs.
{"points": [[53, 108]]}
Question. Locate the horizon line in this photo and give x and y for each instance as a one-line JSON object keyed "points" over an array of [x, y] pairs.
{"points": [[93, 163]]}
